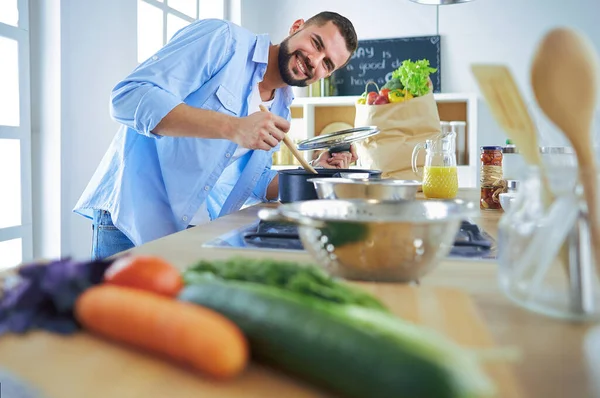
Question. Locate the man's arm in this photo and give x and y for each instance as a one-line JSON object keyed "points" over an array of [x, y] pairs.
{"points": [[260, 130], [150, 99], [273, 188]]}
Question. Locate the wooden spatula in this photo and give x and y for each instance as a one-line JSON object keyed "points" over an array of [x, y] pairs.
{"points": [[564, 77], [292, 147], [508, 107], [506, 103]]}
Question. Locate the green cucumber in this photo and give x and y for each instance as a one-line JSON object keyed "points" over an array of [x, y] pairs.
{"points": [[328, 345]]}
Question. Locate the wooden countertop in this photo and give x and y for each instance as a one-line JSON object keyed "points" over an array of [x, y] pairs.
{"points": [[553, 363], [553, 358]]}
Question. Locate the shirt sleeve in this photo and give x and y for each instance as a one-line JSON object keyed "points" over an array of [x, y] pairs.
{"points": [[155, 87], [260, 190]]}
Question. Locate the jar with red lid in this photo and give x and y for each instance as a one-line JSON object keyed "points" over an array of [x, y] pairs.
{"points": [[491, 156], [492, 182]]}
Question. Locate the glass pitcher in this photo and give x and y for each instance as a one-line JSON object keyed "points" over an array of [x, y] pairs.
{"points": [[440, 176]]}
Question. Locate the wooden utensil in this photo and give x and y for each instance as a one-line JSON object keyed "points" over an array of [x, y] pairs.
{"points": [[564, 77], [292, 147], [506, 103], [508, 107]]}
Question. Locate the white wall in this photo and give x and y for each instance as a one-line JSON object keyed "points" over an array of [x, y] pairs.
{"points": [[98, 47], [46, 126], [485, 31]]}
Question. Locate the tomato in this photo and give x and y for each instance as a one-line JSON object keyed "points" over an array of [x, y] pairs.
{"points": [[384, 92], [145, 272], [371, 97], [381, 99], [396, 96]]}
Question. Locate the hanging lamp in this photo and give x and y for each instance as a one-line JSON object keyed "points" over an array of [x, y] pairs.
{"points": [[439, 2]]}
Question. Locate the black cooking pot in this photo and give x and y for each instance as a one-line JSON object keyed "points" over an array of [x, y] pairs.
{"points": [[294, 185]]}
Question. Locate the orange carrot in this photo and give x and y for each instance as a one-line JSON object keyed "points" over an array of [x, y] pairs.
{"points": [[147, 273], [183, 331]]}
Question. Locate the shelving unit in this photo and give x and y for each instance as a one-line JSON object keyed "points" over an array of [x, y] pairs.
{"points": [[318, 112]]}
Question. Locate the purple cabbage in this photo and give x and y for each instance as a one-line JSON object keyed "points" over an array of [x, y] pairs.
{"points": [[45, 294]]}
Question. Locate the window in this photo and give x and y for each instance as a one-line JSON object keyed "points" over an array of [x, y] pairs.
{"points": [[9, 12], [15, 135], [159, 20]]}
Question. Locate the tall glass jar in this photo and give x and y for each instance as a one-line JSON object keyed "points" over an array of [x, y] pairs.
{"points": [[545, 255], [492, 183]]}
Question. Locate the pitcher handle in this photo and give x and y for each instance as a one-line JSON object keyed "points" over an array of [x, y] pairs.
{"points": [[415, 153]]}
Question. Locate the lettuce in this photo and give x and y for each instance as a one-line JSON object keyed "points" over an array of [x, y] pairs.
{"points": [[414, 76]]}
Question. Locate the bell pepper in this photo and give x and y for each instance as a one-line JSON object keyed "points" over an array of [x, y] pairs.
{"points": [[396, 96]]}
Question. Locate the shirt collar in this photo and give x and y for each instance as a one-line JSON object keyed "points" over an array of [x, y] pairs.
{"points": [[261, 50], [261, 55]]}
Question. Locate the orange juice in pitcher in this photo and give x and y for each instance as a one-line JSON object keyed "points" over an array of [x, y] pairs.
{"points": [[440, 175]]}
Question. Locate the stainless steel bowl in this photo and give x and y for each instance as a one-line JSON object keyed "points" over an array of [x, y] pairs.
{"points": [[371, 240], [362, 188]]}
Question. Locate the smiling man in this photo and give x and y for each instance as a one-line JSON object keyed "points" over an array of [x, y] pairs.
{"points": [[193, 145]]}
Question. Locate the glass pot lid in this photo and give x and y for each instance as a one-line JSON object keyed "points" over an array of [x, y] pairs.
{"points": [[339, 138]]}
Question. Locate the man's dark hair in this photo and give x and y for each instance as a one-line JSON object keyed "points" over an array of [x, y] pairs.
{"points": [[343, 24]]}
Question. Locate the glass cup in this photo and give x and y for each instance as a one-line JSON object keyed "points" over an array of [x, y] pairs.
{"points": [[545, 253]]}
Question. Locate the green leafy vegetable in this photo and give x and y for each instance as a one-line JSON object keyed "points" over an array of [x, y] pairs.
{"points": [[393, 84], [307, 280], [342, 233], [414, 76]]}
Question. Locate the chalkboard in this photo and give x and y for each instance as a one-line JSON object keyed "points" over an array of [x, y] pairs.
{"points": [[376, 59]]}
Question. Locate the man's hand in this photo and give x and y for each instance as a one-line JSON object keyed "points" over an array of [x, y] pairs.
{"points": [[339, 160], [260, 130]]}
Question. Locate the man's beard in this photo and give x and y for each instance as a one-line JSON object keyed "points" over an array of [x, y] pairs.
{"points": [[283, 60]]}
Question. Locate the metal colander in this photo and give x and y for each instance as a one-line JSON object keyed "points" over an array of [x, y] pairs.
{"points": [[370, 240]]}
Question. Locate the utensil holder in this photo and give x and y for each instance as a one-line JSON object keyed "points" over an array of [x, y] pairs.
{"points": [[545, 254]]}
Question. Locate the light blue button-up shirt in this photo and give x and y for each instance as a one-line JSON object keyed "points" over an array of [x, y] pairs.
{"points": [[151, 185]]}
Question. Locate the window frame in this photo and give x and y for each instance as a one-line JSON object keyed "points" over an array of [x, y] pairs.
{"points": [[166, 10], [24, 231], [164, 6]]}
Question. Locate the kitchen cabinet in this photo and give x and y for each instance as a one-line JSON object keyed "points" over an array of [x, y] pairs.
{"points": [[310, 115]]}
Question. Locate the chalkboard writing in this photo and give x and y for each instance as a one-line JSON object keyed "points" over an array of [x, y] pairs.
{"points": [[376, 60]]}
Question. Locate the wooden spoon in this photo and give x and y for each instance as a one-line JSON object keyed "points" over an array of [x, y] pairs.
{"points": [[292, 147], [564, 79]]}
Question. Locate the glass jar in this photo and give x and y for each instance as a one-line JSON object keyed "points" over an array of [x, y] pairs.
{"points": [[513, 163], [491, 156], [545, 256], [492, 183], [459, 128]]}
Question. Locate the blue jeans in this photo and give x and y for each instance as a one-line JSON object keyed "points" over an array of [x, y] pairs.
{"points": [[106, 238]]}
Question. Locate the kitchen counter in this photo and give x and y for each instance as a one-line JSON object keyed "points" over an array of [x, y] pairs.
{"points": [[552, 363]]}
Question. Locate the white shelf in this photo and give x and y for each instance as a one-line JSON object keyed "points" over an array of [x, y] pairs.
{"points": [[467, 174], [351, 100]]}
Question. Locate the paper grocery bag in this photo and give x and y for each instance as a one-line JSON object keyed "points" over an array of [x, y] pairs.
{"points": [[402, 126]]}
